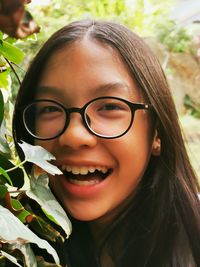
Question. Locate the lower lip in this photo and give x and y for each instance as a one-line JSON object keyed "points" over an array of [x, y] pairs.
{"points": [[83, 190]]}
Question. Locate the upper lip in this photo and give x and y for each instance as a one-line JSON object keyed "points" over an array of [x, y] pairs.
{"points": [[86, 163]]}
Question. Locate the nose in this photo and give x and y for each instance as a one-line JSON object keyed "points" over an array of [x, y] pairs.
{"points": [[76, 135]]}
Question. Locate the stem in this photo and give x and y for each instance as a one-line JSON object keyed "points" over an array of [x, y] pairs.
{"points": [[17, 191], [14, 71], [16, 167]]}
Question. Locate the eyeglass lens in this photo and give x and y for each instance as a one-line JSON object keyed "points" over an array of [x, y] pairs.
{"points": [[107, 117]]}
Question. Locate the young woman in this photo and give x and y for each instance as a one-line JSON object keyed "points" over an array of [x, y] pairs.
{"points": [[96, 97]]}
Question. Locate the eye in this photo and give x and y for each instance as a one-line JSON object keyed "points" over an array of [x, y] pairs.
{"points": [[111, 106], [48, 109]]}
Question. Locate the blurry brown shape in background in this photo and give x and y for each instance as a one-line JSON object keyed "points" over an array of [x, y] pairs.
{"points": [[15, 20]]}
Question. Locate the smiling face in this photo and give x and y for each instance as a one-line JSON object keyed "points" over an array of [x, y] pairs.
{"points": [[105, 171]]}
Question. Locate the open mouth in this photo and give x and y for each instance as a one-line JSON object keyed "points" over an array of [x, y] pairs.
{"points": [[85, 176]]}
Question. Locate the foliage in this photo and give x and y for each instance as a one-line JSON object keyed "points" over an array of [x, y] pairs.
{"points": [[143, 16], [27, 216], [192, 107], [176, 39]]}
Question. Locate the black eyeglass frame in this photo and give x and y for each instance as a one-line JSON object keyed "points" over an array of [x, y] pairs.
{"points": [[133, 107]]}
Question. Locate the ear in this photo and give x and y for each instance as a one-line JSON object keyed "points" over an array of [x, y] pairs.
{"points": [[156, 145]]}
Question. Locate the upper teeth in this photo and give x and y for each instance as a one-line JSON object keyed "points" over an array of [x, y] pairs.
{"points": [[83, 169]]}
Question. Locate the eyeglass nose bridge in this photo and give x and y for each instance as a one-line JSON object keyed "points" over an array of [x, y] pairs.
{"points": [[75, 110]]}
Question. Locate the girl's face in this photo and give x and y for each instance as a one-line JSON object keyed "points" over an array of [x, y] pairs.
{"points": [[72, 77]]}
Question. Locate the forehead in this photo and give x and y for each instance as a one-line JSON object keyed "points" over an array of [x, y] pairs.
{"points": [[86, 48], [84, 65]]}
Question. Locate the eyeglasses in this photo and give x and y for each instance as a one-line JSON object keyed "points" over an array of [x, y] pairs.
{"points": [[106, 117]]}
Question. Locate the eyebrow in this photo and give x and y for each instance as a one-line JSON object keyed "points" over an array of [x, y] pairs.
{"points": [[49, 90], [99, 90], [110, 87]]}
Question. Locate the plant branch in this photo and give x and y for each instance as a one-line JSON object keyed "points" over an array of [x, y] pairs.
{"points": [[13, 69], [16, 167]]}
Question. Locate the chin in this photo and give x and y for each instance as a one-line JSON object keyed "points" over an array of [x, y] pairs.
{"points": [[84, 216]]}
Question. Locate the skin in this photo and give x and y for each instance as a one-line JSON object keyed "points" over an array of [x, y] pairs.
{"points": [[73, 76]]}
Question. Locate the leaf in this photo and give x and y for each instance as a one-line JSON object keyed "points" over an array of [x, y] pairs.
{"points": [[5, 79], [11, 52], [15, 232], [16, 176], [5, 175], [14, 205], [42, 263], [26, 254], [1, 107], [45, 229], [10, 258], [19, 210], [39, 156], [41, 193], [29, 256], [4, 147], [3, 191]]}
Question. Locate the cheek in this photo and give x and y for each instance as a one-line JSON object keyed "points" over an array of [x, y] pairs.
{"points": [[48, 145], [133, 150]]}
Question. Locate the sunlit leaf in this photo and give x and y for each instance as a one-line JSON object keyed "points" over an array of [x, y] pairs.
{"points": [[5, 79], [14, 231], [11, 52], [10, 258], [22, 246], [41, 193], [1, 107], [4, 147], [28, 254], [39, 156], [3, 62]]}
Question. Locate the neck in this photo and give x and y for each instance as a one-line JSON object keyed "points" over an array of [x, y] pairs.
{"points": [[101, 228]]}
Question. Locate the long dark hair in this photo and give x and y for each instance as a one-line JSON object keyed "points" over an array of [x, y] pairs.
{"points": [[162, 223]]}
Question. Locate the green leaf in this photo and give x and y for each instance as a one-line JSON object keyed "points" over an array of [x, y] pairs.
{"points": [[11, 52], [45, 229], [16, 176], [41, 193], [1, 106], [17, 234], [3, 191], [5, 79], [4, 173], [10, 40], [16, 204], [39, 156], [20, 211], [3, 62], [23, 215]]}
